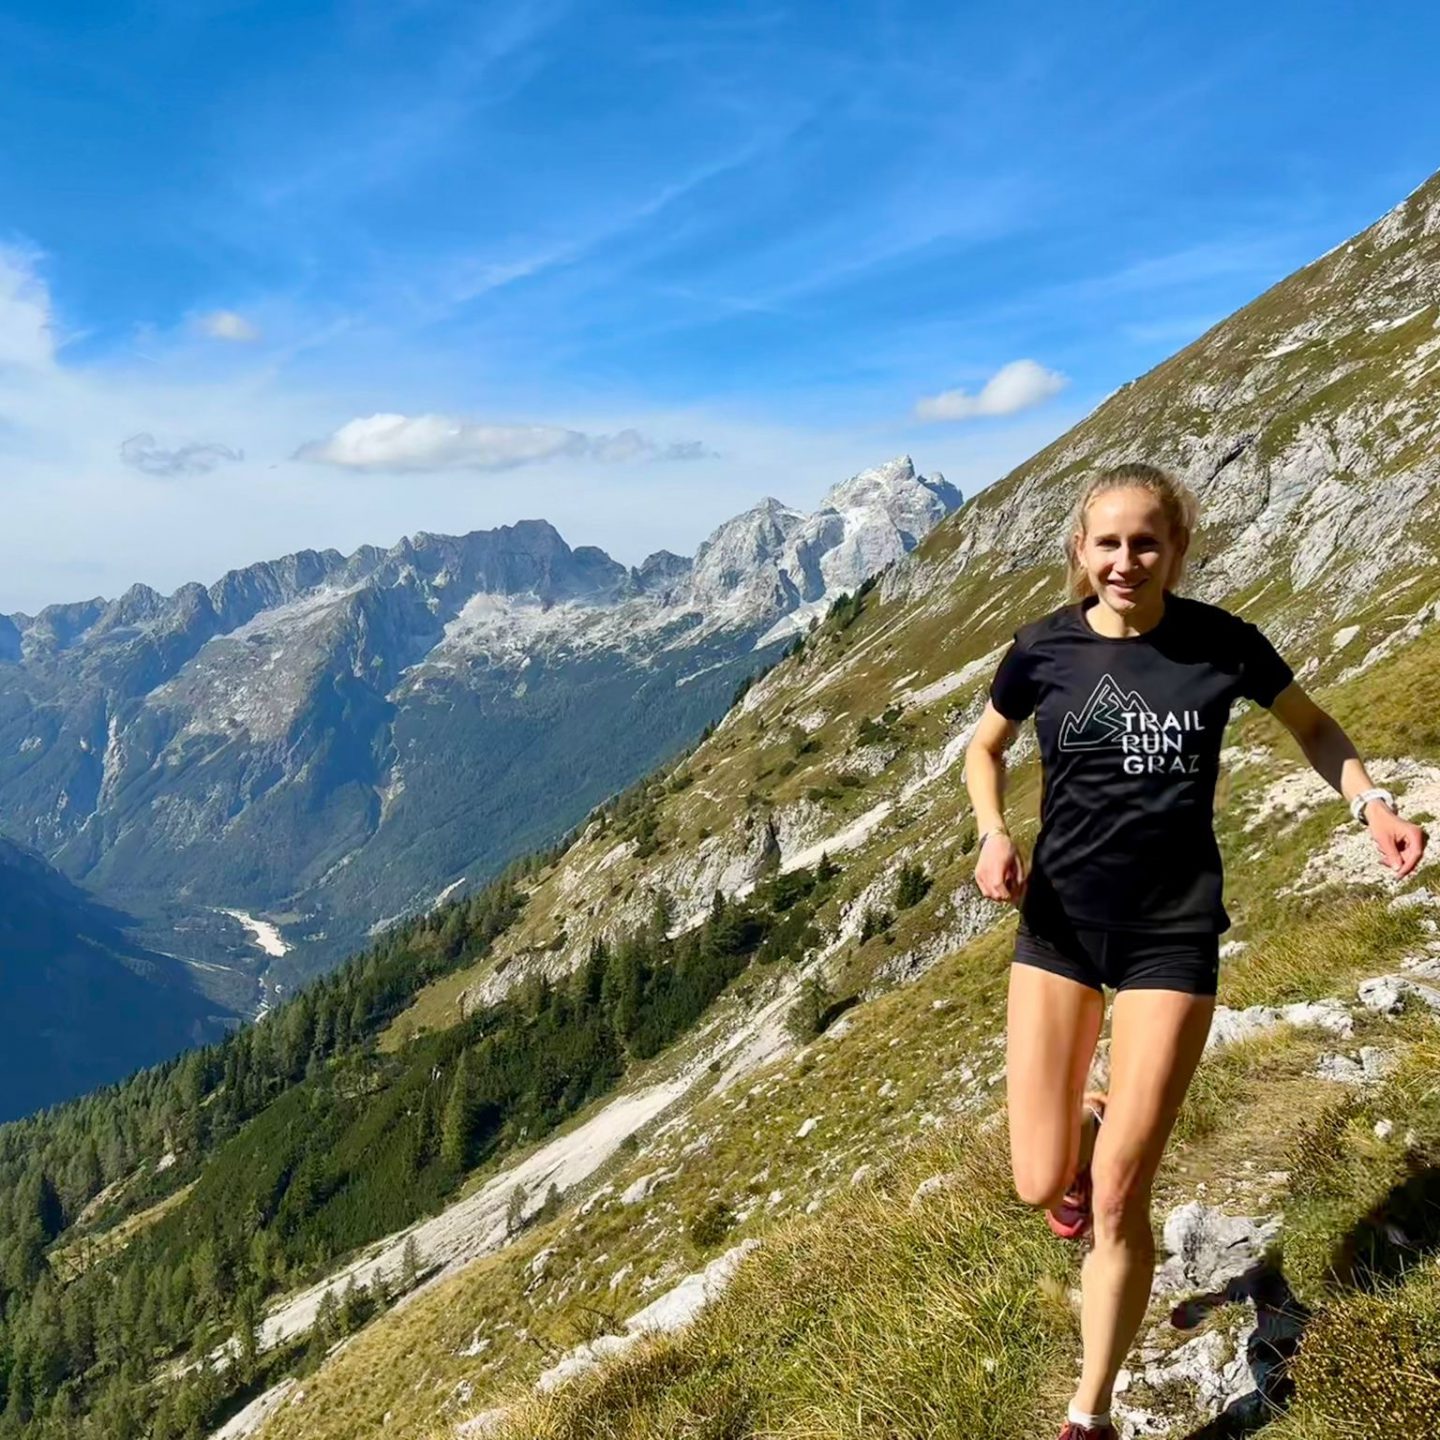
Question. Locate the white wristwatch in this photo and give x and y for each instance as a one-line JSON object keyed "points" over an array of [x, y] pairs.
{"points": [[1358, 804]]}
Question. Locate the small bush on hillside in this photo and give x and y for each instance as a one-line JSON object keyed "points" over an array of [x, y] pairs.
{"points": [[550, 1208], [515, 1210], [647, 840], [871, 732], [803, 1020], [911, 886], [844, 611], [874, 922], [712, 1224]]}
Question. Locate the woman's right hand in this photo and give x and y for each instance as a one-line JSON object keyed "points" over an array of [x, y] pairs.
{"points": [[1000, 871]]}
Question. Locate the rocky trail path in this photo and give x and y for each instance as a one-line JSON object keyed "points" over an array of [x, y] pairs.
{"points": [[1210, 1359]]}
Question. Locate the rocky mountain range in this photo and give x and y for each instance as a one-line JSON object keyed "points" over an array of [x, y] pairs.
{"points": [[331, 741]]}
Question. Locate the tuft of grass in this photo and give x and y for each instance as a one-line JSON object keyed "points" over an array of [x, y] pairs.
{"points": [[1362, 1247], [1370, 1363]]}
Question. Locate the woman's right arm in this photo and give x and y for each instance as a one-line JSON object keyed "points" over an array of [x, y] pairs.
{"points": [[999, 869]]}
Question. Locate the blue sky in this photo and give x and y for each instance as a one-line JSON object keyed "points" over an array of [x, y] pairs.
{"points": [[628, 267]]}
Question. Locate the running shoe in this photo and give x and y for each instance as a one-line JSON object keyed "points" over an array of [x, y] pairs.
{"points": [[1072, 1431], [1071, 1219]]}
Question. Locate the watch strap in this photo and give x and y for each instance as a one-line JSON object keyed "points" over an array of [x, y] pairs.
{"points": [[1358, 804]]}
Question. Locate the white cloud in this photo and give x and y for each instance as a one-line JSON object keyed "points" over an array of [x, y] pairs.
{"points": [[196, 458], [227, 325], [27, 340], [1016, 386], [444, 442]]}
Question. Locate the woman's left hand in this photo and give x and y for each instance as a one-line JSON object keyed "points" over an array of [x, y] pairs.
{"points": [[1401, 842]]}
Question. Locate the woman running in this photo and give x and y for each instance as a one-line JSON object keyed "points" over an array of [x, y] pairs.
{"points": [[1131, 687]]}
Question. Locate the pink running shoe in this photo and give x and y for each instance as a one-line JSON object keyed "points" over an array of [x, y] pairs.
{"points": [[1072, 1431], [1071, 1218]]}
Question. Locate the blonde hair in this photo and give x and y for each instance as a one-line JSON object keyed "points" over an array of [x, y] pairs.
{"points": [[1177, 500]]}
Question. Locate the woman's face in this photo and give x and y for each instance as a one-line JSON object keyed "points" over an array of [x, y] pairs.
{"points": [[1127, 549]]}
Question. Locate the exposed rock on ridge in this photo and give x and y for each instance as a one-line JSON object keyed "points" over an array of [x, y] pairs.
{"points": [[248, 743]]}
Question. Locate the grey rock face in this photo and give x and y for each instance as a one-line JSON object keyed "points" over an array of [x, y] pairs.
{"points": [[1305, 423], [1228, 1026], [1387, 994], [1205, 1248]]}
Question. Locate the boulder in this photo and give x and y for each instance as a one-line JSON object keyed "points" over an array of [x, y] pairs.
{"points": [[1205, 1248]]}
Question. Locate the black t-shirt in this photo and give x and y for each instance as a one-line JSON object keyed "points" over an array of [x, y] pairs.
{"points": [[1130, 733]]}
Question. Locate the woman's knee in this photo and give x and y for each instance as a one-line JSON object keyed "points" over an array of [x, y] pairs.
{"points": [[1120, 1206], [1038, 1184]]}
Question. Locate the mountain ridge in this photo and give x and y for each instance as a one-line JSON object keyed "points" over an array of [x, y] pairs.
{"points": [[246, 744]]}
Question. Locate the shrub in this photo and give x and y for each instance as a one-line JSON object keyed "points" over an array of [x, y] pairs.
{"points": [[1370, 1363], [647, 840], [873, 922], [871, 732], [803, 1018], [712, 1224], [911, 886]]}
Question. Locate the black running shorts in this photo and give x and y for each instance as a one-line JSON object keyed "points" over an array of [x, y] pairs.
{"points": [[1122, 959]]}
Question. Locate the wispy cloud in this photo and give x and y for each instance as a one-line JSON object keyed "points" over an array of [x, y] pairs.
{"points": [[1020, 385], [481, 58], [197, 458], [418, 443], [227, 325], [27, 338]]}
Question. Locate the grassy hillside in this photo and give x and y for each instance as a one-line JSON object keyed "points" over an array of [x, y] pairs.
{"points": [[851, 747], [844, 1321]]}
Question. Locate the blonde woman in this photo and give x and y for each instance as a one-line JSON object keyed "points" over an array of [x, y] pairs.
{"points": [[1131, 686]]}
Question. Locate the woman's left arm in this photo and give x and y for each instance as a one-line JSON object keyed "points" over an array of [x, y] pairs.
{"points": [[1329, 749]]}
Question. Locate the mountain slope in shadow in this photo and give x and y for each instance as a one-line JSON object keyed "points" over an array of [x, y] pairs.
{"points": [[81, 1004]]}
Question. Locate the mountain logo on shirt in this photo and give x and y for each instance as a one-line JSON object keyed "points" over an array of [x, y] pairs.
{"points": [[1099, 724]]}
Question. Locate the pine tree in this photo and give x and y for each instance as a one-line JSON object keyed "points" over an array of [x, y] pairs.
{"points": [[911, 886], [662, 913], [327, 1317], [515, 1210], [348, 1316], [247, 1334], [409, 1263], [457, 1123]]}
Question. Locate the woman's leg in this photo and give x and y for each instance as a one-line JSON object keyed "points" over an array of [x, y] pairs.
{"points": [[1156, 1040], [1052, 1025]]}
